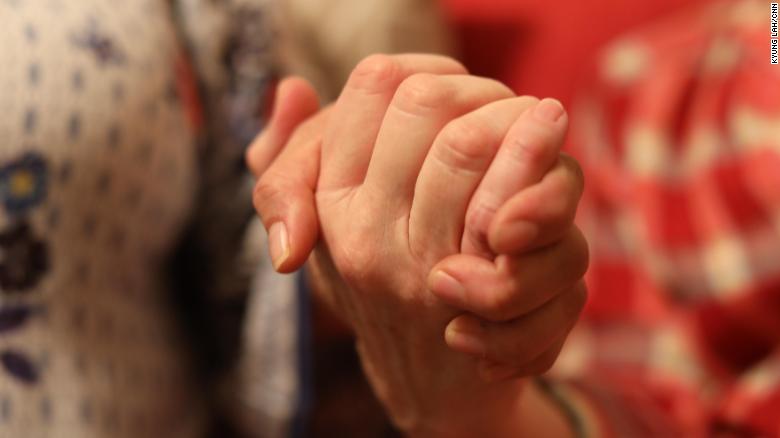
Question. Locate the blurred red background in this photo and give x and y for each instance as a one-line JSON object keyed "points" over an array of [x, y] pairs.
{"points": [[543, 47]]}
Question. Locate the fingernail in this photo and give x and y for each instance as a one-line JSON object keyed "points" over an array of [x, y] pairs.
{"points": [[548, 110], [447, 287], [465, 335], [278, 244]]}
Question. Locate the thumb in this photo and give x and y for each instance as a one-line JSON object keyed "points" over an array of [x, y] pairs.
{"points": [[288, 213], [295, 101]]}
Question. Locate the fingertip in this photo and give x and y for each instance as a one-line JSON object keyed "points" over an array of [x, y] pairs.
{"points": [[304, 230], [278, 244], [535, 140], [262, 151], [549, 110], [295, 100], [293, 256], [456, 279], [287, 210], [466, 334], [296, 87], [447, 287]]}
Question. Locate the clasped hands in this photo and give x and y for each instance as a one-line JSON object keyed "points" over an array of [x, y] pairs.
{"points": [[436, 211]]}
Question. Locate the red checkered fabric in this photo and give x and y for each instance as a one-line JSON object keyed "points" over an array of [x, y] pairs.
{"points": [[679, 138]]}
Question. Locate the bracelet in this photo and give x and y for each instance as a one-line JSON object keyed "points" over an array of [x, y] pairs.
{"points": [[572, 416]]}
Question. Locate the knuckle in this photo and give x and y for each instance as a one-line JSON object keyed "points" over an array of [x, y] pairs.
{"points": [[267, 192], [477, 222], [375, 73], [523, 150], [464, 144], [479, 215], [356, 261], [422, 92]]}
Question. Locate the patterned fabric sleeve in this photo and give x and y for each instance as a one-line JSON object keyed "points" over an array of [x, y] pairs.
{"points": [[679, 137], [243, 317]]}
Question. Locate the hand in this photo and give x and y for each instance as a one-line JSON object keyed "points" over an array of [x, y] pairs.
{"points": [[522, 303], [379, 203], [499, 295], [449, 226]]}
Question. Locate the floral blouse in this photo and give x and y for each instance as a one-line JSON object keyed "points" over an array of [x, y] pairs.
{"points": [[124, 208]]}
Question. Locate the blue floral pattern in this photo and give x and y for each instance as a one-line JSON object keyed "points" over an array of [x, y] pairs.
{"points": [[103, 47], [23, 183], [23, 259]]}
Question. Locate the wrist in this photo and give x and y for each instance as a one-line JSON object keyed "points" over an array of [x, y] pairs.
{"points": [[432, 393], [491, 411], [524, 409]]}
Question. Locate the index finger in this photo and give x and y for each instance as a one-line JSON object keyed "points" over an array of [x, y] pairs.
{"points": [[295, 102], [528, 152]]}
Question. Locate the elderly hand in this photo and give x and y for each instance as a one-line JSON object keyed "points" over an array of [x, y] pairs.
{"points": [[407, 163]]}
